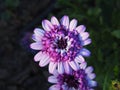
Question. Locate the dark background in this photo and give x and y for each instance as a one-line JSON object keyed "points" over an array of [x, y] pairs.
{"points": [[18, 18]]}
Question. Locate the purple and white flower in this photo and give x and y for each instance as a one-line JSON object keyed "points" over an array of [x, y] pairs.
{"points": [[81, 79], [60, 44]]}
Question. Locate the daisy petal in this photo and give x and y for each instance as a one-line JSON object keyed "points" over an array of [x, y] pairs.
{"points": [[74, 65], [52, 79], [54, 87], [91, 75], [85, 52], [83, 65], [65, 21], [67, 68], [52, 67], [47, 25], [65, 87], [36, 46], [60, 68], [79, 59], [86, 42], [73, 24], [54, 21], [89, 69], [92, 83], [38, 56], [37, 37], [84, 36], [91, 89], [80, 28], [55, 73], [72, 88], [45, 60], [39, 31]]}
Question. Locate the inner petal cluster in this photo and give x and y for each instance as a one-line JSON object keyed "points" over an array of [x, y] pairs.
{"points": [[76, 80], [61, 44], [70, 80]]}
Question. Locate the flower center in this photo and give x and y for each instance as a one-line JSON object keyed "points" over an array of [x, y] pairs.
{"points": [[71, 81], [62, 43], [82, 79]]}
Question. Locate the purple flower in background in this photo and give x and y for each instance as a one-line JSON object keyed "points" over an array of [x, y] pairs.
{"points": [[60, 44], [81, 79]]}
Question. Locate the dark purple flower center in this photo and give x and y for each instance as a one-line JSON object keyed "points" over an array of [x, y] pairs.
{"points": [[62, 43], [70, 80], [77, 80], [84, 82]]}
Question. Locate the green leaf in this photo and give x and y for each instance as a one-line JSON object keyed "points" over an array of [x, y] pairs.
{"points": [[116, 33], [94, 11]]}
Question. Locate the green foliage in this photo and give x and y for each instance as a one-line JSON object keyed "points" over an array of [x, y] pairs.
{"points": [[116, 70], [115, 85], [116, 33], [102, 19]]}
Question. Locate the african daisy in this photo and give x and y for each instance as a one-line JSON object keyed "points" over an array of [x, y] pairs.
{"points": [[60, 44], [82, 79]]}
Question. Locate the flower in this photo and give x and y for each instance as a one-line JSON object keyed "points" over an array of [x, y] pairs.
{"points": [[81, 79], [61, 44]]}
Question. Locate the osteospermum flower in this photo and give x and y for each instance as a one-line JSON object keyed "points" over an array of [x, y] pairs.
{"points": [[81, 79], [60, 44]]}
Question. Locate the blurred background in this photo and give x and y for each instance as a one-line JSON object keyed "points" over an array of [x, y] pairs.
{"points": [[18, 18]]}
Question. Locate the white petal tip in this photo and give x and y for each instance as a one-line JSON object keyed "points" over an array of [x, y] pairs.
{"points": [[74, 65], [52, 67], [47, 25], [52, 79], [54, 21], [60, 68], [81, 28], [85, 52]]}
